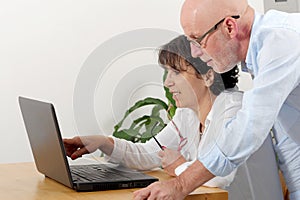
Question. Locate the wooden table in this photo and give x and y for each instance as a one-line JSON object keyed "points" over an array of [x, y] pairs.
{"points": [[23, 181]]}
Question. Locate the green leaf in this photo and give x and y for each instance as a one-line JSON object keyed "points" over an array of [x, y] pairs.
{"points": [[156, 110], [141, 103], [138, 121], [142, 128], [127, 134]]}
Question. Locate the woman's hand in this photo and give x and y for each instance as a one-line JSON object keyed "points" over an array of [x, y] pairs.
{"points": [[78, 146], [170, 160]]}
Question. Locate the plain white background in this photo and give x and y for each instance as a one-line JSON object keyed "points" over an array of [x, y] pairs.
{"points": [[44, 44]]}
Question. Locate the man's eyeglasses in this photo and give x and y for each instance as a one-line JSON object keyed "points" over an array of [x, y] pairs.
{"points": [[197, 41]]}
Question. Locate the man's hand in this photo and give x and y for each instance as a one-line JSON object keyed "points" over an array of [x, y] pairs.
{"points": [[167, 190], [170, 160], [176, 188]]}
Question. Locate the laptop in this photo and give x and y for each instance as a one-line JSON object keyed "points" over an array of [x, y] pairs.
{"points": [[50, 157]]}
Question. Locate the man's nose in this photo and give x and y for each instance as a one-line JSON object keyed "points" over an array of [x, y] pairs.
{"points": [[196, 51]]}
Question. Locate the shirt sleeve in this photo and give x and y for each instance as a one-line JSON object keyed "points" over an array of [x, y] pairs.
{"points": [[278, 63], [143, 156]]}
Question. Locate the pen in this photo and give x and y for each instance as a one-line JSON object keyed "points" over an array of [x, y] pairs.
{"points": [[160, 146]]}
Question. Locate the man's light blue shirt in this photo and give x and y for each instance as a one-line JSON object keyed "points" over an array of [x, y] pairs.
{"points": [[273, 58]]}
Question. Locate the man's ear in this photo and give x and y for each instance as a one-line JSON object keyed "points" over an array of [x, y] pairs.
{"points": [[230, 27], [209, 77]]}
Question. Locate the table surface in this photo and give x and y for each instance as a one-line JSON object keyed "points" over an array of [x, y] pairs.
{"points": [[23, 181]]}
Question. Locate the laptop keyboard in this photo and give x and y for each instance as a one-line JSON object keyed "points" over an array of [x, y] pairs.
{"points": [[95, 173]]}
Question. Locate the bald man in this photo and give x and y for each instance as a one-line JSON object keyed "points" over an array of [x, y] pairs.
{"points": [[224, 33]]}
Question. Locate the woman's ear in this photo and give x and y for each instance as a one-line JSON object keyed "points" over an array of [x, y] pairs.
{"points": [[209, 77]]}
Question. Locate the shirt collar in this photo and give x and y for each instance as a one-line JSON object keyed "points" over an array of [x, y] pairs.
{"points": [[248, 61]]}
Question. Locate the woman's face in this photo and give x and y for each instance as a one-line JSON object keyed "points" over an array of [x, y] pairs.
{"points": [[185, 86]]}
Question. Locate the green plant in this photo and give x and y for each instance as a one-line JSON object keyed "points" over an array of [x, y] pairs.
{"points": [[142, 128]]}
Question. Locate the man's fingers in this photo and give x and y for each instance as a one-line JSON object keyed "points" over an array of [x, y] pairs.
{"points": [[141, 194]]}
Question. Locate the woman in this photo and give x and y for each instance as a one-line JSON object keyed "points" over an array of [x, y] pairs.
{"points": [[194, 95], [201, 101]]}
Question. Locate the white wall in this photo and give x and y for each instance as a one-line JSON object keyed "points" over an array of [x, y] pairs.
{"points": [[283, 5], [257, 4], [46, 45]]}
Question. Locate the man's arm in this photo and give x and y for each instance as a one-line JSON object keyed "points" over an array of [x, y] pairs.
{"points": [[276, 69], [176, 188]]}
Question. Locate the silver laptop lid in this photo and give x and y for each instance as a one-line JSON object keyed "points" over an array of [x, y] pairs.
{"points": [[45, 140]]}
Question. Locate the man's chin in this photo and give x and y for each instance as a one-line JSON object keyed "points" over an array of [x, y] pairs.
{"points": [[222, 69]]}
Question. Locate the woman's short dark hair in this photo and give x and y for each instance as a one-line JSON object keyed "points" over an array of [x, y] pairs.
{"points": [[178, 50]]}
